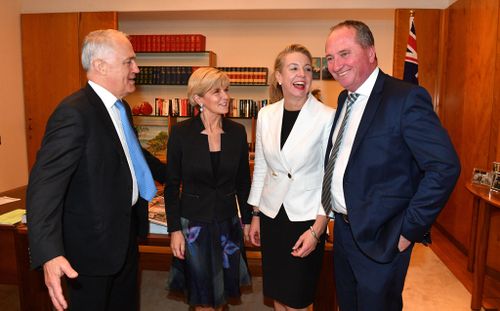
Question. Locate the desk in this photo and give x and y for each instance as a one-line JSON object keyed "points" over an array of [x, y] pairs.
{"points": [[483, 204], [155, 254], [14, 259], [8, 265]]}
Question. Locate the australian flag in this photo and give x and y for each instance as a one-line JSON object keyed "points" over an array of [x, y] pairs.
{"points": [[411, 75], [411, 60]]}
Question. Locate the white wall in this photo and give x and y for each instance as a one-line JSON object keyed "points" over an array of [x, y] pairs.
{"points": [[13, 158], [256, 42]]}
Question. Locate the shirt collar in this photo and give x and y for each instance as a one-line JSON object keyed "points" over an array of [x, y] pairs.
{"points": [[107, 98], [366, 88]]}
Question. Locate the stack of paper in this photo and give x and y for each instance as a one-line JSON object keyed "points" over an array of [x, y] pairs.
{"points": [[12, 217]]}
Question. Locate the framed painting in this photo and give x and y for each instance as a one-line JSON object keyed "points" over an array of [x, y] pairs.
{"points": [[325, 74], [316, 66], [153, 134]]}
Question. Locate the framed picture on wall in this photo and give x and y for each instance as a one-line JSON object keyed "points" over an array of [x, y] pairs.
{"points": [[316, 64], [153, 135], [325, 74]]}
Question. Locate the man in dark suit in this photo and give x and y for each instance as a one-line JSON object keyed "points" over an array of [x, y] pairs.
{"points": [[87, 193], [388, 173]]}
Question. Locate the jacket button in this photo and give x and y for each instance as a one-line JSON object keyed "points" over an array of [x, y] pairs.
{"points": [[289, 175]]}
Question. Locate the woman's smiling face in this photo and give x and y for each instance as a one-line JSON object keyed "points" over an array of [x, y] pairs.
{"points": [[295, 77]]}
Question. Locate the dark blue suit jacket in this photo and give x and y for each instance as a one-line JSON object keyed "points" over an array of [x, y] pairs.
{"points": [[401, 170]]}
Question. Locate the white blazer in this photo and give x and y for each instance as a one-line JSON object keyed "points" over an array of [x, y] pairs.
{"points": [[291, 176]]}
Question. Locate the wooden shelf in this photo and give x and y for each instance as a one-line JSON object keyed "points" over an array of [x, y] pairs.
{"points": [[186, 58]]}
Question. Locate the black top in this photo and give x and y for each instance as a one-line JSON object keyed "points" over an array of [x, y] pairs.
{"points": [[215, 158], [289, 118]]}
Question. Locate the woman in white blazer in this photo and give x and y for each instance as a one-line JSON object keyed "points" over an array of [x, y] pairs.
{"points": [[288, 219]]}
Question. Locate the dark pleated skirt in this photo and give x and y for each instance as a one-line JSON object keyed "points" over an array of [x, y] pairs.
{"points": [[215, 265], [288, 279]]}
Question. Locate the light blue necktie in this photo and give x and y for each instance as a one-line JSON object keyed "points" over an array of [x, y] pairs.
{"points": [[326, 191], [145, 182]]}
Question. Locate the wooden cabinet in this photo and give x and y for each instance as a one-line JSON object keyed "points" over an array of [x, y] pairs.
{"points": [[51, 45]]}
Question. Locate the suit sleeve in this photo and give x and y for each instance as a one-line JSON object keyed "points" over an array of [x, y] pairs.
{"points": [[243, 180], [173, 181], [157, 167], [57, 160], [436, 157]]}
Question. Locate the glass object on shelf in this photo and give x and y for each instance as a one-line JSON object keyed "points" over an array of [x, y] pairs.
{"points": [[495, 183], [142, 108], [481, 177], [496, 167]]}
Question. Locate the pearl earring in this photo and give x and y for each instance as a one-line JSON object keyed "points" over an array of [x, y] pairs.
{"points": [[201, 107]]}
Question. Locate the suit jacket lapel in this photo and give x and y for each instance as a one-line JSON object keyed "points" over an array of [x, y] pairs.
{"points": [[103, 115], [275, 122], [369, 113]]}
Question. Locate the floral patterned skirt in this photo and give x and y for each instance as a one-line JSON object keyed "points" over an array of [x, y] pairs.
{"points": [[215, 264]]}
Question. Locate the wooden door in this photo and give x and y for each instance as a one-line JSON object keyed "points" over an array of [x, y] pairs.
{"points": [[50, 69], [51, 64]]}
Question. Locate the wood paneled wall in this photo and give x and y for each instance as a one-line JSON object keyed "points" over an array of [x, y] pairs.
{"points": [[462, 73], [429, 26], [471, 85]]}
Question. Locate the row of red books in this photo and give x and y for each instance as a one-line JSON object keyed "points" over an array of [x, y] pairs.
{"points": [[168, 43], [246, 75]]}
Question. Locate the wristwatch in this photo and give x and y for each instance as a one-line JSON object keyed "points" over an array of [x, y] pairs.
{"points": [[255, 213]]}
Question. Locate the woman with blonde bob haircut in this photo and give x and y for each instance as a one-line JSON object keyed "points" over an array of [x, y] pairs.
{"points": [[208, 156]]}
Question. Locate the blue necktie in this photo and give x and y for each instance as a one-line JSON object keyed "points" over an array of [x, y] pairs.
{"points": [[326, 191], [145, 182]]}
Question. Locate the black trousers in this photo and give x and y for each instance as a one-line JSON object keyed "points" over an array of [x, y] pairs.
{"points": [[117, 292]]}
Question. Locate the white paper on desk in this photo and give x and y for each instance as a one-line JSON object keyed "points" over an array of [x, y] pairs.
{"points": [[5, 200], [159, 229]]}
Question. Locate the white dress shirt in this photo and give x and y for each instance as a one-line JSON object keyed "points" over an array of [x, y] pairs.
{"points": [[109, 102], [357, 110]]}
